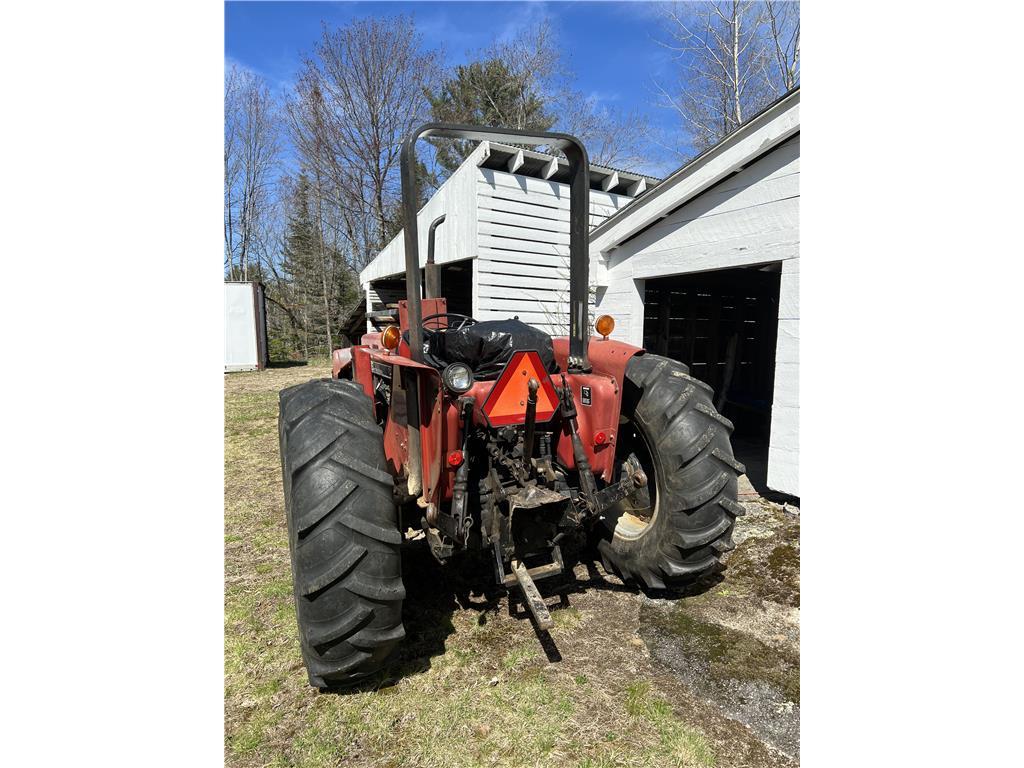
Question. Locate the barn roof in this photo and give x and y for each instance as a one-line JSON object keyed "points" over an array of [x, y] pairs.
{"points": [[768, 128], [526, 162]]}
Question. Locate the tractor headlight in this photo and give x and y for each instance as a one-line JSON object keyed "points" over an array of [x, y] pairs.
{"points": [[457, 377]]}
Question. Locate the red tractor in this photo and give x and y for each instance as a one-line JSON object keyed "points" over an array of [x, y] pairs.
{"points": [[492, 435]]}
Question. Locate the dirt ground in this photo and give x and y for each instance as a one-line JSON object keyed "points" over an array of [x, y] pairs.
{"points": [[709, 677]]}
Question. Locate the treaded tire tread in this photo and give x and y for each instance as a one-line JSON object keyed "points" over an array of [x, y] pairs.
{"points": [[695, 475], [342, 531]]}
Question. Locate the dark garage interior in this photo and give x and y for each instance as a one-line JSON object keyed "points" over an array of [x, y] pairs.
{"points": [[456, 287], [723, 325]]}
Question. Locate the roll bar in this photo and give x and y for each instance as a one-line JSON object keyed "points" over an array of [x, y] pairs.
{"points": [[579, 225]]}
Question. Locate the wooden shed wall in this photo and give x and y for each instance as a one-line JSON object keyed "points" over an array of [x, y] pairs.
{"points": [[784, 448], [455, 239], [751, 217], [522, 267], [515, 227]]}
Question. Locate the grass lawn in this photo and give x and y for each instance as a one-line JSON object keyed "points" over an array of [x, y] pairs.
{"points": [[472, 684]]}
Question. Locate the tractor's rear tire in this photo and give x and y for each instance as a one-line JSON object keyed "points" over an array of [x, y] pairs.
{"points": [[691, 504], [342, 531]]}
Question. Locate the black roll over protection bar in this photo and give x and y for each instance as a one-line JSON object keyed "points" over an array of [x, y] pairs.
{"points": [[579, 231], [579, 224]]}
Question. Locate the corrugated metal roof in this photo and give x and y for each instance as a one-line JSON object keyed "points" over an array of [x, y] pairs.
{"points": [[537, 165]]}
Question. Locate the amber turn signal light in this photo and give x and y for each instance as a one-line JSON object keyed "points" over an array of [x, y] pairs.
{"points": [[390, 337], [604, 325]]}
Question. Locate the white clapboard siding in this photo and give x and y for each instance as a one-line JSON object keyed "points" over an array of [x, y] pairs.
{"points": [[784, 450], [380, 298], [761, 247], [373, 299], [524, 231], [499, 263], [548, 193], [749, 217], [522, 252], [525, 219], [522, 266], [539, 213], [515, 228], [510, 283]]}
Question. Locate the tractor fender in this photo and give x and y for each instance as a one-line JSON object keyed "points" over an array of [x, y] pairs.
{"points": [[341, 359], [341, 363], [354, 363], [608, 361], [607, 356], [396, 430]]}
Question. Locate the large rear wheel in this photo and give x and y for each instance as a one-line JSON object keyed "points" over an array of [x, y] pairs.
{"points": [[342, 531], [674, 529]]}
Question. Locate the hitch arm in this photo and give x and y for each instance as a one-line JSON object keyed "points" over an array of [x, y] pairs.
{"points": [[588, 486], [463, 520], [531, 421], [534, 601], [613, 494]]}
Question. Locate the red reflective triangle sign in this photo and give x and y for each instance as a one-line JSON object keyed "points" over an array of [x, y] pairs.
{"points": [[506, 403]]}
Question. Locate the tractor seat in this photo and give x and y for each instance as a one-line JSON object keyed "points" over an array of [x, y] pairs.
{"points": [[487, 346]]}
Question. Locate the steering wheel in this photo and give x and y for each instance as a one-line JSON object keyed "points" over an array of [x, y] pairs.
{"points": [[464, 321]]}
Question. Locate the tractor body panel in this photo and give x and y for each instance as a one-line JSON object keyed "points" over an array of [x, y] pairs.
{"points": [[597, 395], [597, 400]]}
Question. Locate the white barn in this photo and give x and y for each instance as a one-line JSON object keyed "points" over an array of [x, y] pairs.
{"points": [[706, 269], [504, 244]]}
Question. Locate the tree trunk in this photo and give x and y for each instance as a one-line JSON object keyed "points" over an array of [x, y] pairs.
{"points": [[323, 262], [736, 62]]}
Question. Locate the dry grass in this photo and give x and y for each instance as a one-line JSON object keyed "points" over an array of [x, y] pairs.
{"points": [[472, 685]]}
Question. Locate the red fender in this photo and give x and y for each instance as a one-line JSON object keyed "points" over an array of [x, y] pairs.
{"points": [[599, 418], [341, 360]]}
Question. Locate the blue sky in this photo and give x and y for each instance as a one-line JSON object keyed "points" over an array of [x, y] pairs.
{"points": [[609, 46]]}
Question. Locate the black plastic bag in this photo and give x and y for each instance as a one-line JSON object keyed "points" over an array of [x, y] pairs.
{"points": [[487, 346]]}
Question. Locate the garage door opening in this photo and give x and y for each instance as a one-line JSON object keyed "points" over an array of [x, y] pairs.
{"points": [[723, 325], [457, 286]]}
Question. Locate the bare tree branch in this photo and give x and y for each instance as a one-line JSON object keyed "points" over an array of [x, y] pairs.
{"points": [[725, 52], [251, 153]]}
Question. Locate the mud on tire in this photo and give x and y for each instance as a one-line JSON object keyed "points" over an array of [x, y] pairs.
{"points": [[694, 484], [342, 531]]}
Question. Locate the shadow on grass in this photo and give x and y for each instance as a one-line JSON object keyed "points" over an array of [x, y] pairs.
{"points": [[569, 583], [287, 364], [598, 578], [435, 592]]}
